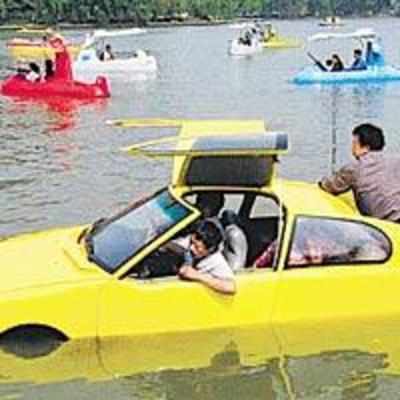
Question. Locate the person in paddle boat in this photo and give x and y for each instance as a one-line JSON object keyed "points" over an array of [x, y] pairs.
{"points": [[107, 54], [33, 74], [359, 63], [48, 69], [334, 64], [269, 33], [337, 63], [246, 39], [259, 30], [374, 56], [63, 67]]}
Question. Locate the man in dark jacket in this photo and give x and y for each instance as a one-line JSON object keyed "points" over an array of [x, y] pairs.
{"points": [[359, 63], [373, 177]]}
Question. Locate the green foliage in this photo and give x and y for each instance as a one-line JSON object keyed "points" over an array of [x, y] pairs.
{"points": [[103, 12]]}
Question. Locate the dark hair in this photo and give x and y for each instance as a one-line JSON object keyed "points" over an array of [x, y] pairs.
{"points": [[34, 67], [210, 233], [210, 201], [370, 136], [229, 217], [329, 62], [358, 52], [48, 66]]}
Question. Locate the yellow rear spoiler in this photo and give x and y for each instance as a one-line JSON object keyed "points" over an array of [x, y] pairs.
{"points": [[195, 127]]}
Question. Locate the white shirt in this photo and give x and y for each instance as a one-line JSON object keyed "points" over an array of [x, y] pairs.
{"points": [[107, 56], [32, 76], [214, 264]]}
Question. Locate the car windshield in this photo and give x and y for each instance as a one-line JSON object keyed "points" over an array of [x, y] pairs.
{"points": [[114, 243]]}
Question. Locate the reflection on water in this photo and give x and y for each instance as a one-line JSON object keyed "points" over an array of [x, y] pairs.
{"points": [[60, 114], [369, 99], [363, 102], [234, 364]]}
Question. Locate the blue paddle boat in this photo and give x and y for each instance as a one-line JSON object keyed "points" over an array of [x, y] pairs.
{"points": [[373, 67]]}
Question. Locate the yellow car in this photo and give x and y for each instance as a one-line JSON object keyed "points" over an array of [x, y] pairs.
{"points": [[329, 265]]}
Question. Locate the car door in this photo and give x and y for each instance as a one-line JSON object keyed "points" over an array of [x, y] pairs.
{"points": [[336, 280], [130, 305], [169, 305]]}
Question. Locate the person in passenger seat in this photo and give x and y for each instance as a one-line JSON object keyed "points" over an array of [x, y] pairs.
{"points": [[210, 203], [235, 246]]}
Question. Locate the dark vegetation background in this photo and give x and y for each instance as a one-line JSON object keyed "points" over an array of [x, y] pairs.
{"points": [[145, 12]]}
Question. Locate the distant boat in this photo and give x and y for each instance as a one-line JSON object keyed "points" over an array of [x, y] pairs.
{"points": [[331, 21], [89, 60], [31, 44], [241, 25]]}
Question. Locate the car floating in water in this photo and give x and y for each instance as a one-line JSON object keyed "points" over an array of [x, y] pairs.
{"points": [[330, 263]]}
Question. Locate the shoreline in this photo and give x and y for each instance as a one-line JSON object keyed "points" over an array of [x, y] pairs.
{"points": [[160, 24], [87, 26]]}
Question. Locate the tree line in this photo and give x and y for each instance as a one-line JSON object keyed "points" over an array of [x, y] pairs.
{"points": [[142, 12]]}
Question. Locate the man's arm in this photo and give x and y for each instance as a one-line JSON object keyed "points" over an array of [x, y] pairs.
{"points": [[340, 182], [224, 286]]}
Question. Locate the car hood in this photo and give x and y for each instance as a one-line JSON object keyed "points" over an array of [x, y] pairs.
{"points": [[44, 258]]}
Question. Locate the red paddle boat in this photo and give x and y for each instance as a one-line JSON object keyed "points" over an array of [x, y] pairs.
{"points": [[59, 83]]}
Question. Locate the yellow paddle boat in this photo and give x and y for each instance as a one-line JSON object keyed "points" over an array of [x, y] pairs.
{"points": [[280, 42], [329, 264], [270, 38], [32, 44]]}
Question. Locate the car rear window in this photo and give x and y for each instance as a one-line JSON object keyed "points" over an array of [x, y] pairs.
{"points": [[329, 241]]}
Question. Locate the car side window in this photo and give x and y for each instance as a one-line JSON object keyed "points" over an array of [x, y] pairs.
{"points": [[232, 201], [328, 241], [264, 207]]}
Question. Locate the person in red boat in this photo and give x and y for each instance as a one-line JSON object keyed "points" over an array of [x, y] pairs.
{"points": [[60, 83], [63, 65]]}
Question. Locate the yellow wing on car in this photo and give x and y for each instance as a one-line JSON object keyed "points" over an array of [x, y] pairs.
{"points": [[214, 152]]}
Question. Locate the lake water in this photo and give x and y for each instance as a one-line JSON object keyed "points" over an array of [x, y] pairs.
{"points": [[60, 164]]}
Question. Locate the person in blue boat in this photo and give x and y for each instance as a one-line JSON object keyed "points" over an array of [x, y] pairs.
{"points": [[374, 55], [337, 63], [359, 63]]}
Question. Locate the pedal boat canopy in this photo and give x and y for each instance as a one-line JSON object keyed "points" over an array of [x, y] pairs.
{"points": [[360, 34], [215, 158]]}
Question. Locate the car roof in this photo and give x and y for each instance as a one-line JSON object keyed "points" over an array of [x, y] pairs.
{"points": [[299, 198], [308, 198]]}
